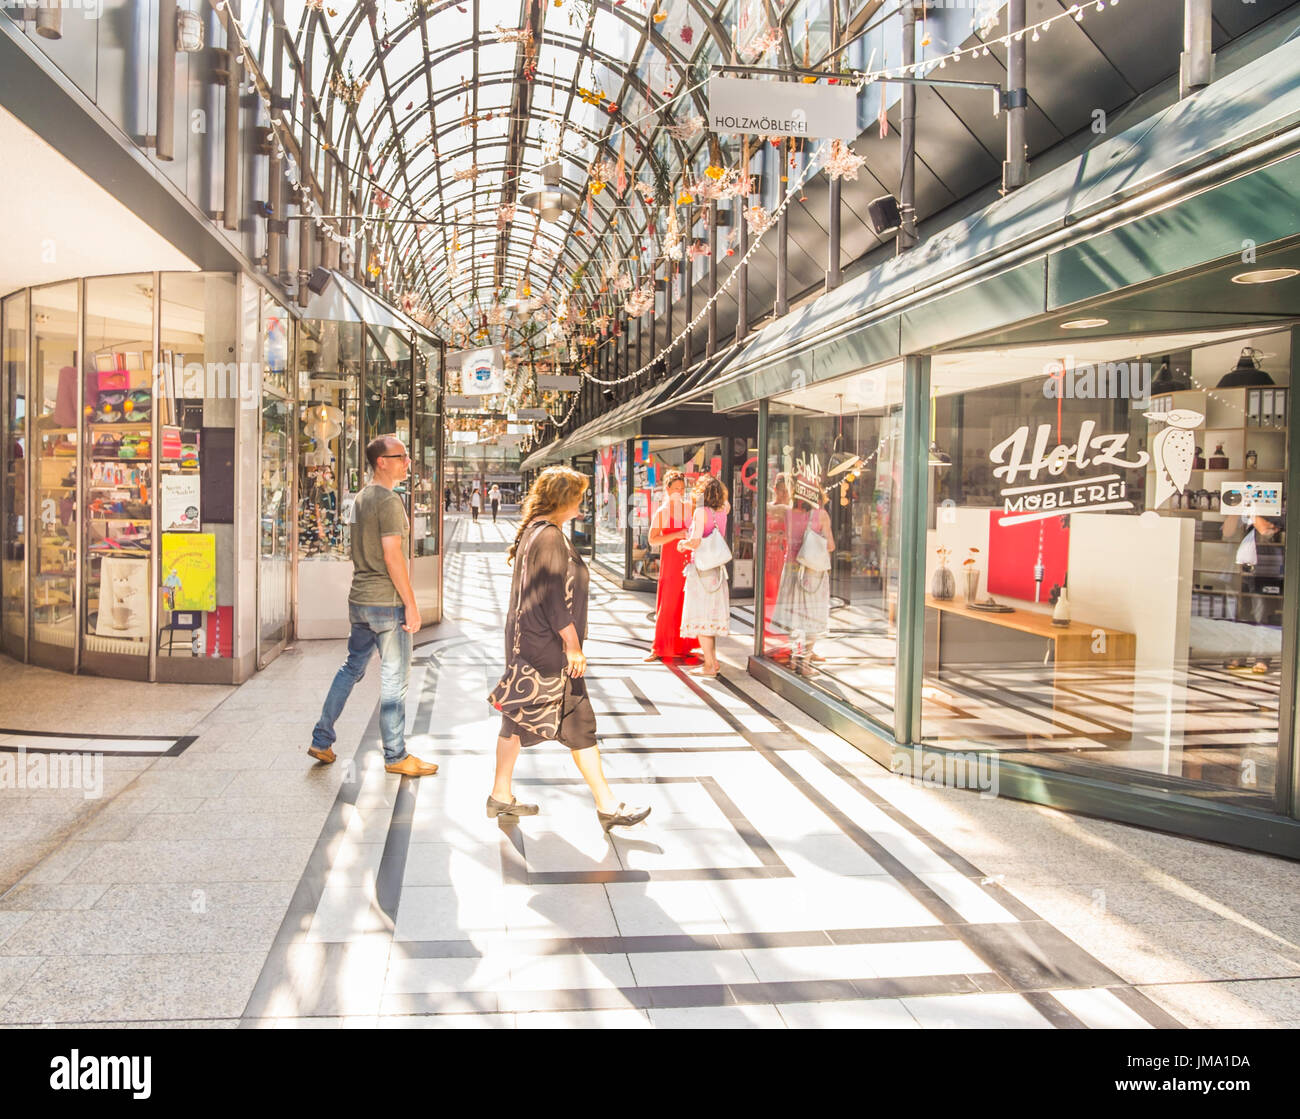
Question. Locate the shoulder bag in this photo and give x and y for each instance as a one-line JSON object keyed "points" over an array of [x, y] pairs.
{"points": [[814, 554], [531, 699], [712, 552]]}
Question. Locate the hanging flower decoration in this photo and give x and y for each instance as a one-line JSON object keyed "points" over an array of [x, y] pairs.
{"points": [[382, 201], [764, 42], [466, 174], [602, 171], [714, 172], [687, 33], [640, 301], [699, 247], [522, 35], [842, 163], [622, 282], [505, 215], [758, 220], [684, 129], [348, 87], [591, 96], [646, 191], [685, 198]]}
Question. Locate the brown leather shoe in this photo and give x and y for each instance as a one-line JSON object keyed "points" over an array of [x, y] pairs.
{"points": [[322, 753], [411, 766]]}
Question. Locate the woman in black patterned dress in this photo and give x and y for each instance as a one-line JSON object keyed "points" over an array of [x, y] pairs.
{"points": [[548, 612]]}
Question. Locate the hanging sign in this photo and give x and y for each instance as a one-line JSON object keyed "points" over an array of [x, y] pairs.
{"points": [[464, 436], [762, 108], [561, 384], [481, 371], [532, 414], [455, 400]]}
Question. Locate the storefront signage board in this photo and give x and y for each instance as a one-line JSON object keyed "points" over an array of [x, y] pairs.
{"points": [[1251, 499], [180, 495], [559, 383], [1040, 498], [769, 108]]}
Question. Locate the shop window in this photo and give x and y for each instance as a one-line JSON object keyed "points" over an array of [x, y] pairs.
{"points": [[652, 459], [831, 555], [276, 482], [52, 565], [118, 434], [611, 506], [329, 449], [202, 391], [426, 437], [13, 474], [1104, 561]]}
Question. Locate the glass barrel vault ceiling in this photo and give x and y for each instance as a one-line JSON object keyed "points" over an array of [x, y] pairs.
{"points": [[461, 95]]}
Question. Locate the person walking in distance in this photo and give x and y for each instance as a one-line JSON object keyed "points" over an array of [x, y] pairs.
{"points": [[670, 524], [446, 499], [475, 503], [706, 603], [494, 497], [543, 695], [382, 610]]}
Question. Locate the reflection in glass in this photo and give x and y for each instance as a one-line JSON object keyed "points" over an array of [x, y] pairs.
{"points": [[426, 436], [831, 559], [611, 506]]}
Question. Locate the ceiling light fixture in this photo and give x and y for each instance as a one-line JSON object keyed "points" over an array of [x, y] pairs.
{"points": [[1084, 324], [1265, 275]]}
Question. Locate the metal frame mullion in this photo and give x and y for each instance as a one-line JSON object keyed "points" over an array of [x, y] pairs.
{"points": [[155, 513], [1287, 790], [79, 494], [760, 532], [911, 591]]}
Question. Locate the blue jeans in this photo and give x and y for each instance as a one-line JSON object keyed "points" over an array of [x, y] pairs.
{"points": [[373, 627]]}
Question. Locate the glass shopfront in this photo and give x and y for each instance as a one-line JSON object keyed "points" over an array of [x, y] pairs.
{"points": [[275, 531], [611, 508], [831, 538], [1105, 552]]}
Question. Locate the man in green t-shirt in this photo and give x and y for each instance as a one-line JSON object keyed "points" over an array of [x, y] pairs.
{"points": [[382, 610]]}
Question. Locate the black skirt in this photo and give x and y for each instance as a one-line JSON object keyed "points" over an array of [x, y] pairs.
{"points": [[577, 726]]}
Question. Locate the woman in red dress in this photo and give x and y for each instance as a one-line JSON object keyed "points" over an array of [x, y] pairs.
{"points": [[671, 523]]}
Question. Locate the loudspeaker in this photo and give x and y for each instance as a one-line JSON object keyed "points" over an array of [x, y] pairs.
{"points": [[318, 279], [884, 215]]}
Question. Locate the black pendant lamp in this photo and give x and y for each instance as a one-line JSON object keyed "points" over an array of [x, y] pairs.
{"points": [[1246, 373], [1166, 380]]}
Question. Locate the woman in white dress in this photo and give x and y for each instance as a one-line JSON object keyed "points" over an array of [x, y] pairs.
{"points": [[707, 604]]}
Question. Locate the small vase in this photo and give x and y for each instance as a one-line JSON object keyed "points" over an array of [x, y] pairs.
{"points": [[1061, 612], [1218, 460], [942, 585], [972, 576], [1252, 460]]}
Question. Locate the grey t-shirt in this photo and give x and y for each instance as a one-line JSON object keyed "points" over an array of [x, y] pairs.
{"points": [[376, 512]]}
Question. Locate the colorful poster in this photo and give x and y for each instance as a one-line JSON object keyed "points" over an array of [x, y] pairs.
{"points": [[180, 502], [189, 568], [123, 598]]}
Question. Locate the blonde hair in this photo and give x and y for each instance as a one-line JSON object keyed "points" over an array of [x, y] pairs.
{"points": [[556, 488]]}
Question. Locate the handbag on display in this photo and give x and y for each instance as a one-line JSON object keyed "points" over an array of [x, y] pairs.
{"points": [[712, 552], [532, 699]]}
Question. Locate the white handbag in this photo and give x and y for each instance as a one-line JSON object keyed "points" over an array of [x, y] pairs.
{"points": [[712, 552], [814, 554]]}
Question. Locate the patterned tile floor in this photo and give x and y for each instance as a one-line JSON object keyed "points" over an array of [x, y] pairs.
{"points": [[782, 880]]}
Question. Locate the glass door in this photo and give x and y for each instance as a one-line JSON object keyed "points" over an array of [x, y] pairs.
{"points": [[13, 475]]}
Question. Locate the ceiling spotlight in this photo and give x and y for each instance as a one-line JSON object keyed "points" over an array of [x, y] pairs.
{"points": [[1265, 275], [1084, 324]]}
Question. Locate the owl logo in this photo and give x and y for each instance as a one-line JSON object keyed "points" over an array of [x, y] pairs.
{"points": [[1174, 451]]}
